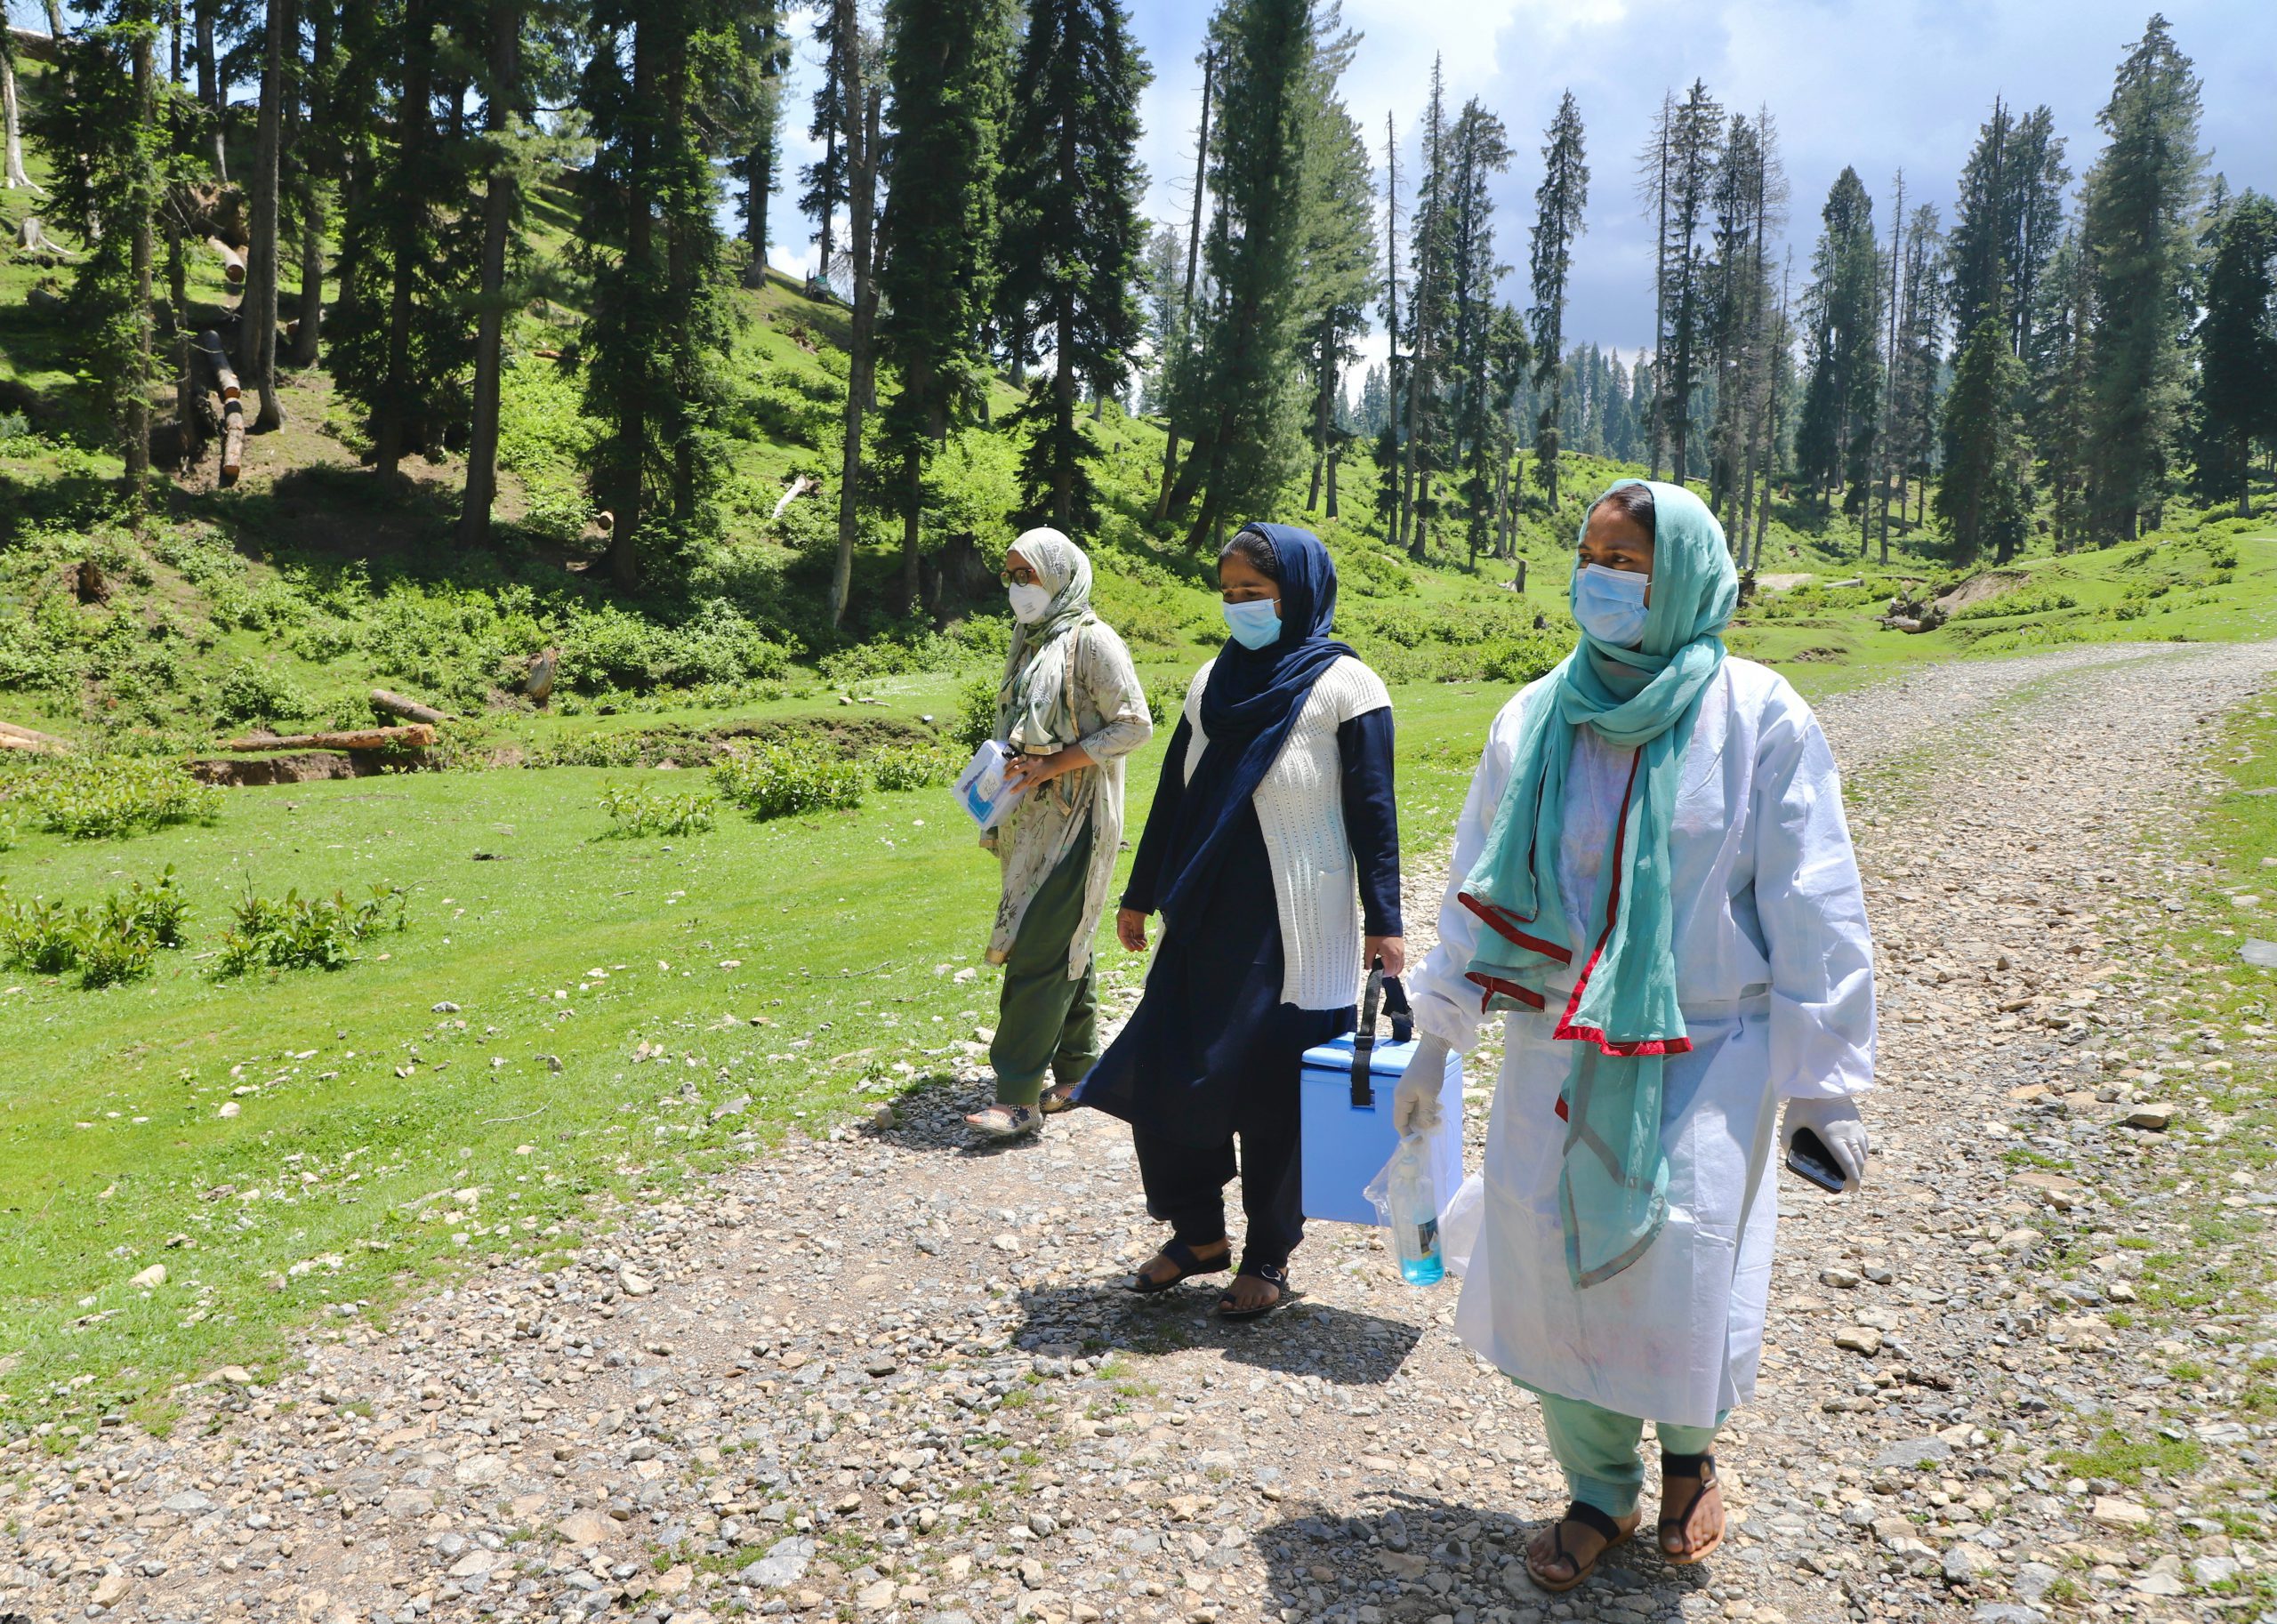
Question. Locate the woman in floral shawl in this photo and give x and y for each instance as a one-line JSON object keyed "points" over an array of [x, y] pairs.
{"points": [[1069, 710]]}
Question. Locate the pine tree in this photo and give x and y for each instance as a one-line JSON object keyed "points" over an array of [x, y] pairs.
{"points": [[766, 46], [2139, 200], [827, 191], [1918, 356], [1984, 499], [1073, 238], [659, 323], [866, 99], [1390, 506], [1835, 437], [1248, 415], [1429, 318], [1692, 147], [257, 308], [1481, 150], [401, 343], [1339, 265], [1560, 202], [1180, 384], [501, 94], [104, 142], [2060, 375], [2011, 214], [946, 62], [2236, 401]]}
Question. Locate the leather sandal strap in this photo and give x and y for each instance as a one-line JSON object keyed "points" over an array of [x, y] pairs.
{"points": [[1589, 1517]]}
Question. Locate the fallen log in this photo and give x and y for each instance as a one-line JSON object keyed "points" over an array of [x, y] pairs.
{"points": [[12, 737], [799, 486], [412, 735], [411, 709], [233, 440], [233, 260], [217, 362]]}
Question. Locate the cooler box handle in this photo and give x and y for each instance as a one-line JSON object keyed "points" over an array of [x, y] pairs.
{"points": [[1387, 993]]}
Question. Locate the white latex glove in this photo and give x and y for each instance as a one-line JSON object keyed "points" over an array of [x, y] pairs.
{"points": [[1415, 1103], [1838, 1124]]}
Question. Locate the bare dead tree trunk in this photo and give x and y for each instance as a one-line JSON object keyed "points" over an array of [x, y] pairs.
{"points": [[308, 332], [862, 188], [257, 311], [391, 423], [138, 398], [629, 456], [16, 177], [497, 221], [1193, 260]]}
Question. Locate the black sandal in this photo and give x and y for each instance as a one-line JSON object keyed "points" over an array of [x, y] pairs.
{"points": [[1701, 1466], [1597, 1523], [1189, 1264], [1278, 1279], [1058, 1098]]}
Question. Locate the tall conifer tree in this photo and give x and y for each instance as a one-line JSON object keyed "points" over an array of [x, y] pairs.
{"points": [[1984, 499], [1073, 238], [2139, 203], [946, 62], [1560, 202], [2237, 343]]}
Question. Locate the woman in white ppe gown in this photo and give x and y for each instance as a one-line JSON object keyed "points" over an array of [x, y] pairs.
{"points": [[1763, 918]]}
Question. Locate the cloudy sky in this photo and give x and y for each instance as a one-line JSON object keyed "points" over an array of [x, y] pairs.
{"points": [[1880, 85]]}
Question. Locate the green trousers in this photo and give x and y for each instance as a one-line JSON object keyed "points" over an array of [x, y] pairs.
{"points": [[1598, 1449], [1046, 1022]]}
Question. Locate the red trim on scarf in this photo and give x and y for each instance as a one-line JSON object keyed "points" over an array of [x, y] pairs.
{"points": [[1591, 1035], [1500, 921], [1508, 989]]}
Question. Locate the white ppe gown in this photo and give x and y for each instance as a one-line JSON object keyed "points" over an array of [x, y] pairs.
{"points": [[1775, 973]]}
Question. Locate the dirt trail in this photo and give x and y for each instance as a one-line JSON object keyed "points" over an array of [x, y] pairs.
{"points": [[888, 1378]]}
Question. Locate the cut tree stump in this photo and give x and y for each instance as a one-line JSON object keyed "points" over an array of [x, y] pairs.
{"points": [[410, 736], [233, 441], [411, 709]]}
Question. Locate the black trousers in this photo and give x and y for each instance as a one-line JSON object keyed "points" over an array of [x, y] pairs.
{"points": [[1185, 1183]]}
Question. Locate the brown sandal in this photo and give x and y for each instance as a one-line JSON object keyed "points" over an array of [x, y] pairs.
{"points": [[1702, 1468], [1597, 1523]]}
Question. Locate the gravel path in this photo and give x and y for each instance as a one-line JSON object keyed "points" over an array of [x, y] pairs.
{"points": [[886, 1377]]}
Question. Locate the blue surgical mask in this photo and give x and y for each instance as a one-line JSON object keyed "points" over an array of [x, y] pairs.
{"points": [[1254, 624], [1609, 604]]}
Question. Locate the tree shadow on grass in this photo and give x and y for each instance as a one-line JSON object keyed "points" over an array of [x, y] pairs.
{"points": [[1412, 1555], [1340, 1347]]}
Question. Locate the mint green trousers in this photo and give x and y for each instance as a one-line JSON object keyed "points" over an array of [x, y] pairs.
{"points": [[1598, 1449]]}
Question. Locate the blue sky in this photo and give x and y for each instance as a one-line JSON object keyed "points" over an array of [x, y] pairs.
{"points": [[1880, 85]]}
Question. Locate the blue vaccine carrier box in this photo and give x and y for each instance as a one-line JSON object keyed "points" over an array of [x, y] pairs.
{"points": [[1346, 1096]]}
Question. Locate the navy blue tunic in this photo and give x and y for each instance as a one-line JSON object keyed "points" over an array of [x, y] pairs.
{"points": [[1211, 1040]]}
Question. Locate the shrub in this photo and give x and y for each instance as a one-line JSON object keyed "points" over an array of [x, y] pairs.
{"points": [[251, 692], [108, 955], [156, 911], [975, 722], [41, 936], [108, 798], [778, 781], [912, 767], [297, 933], [635, 811]]}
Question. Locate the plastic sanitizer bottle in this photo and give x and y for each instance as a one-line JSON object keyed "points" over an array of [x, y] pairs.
{"points": [[1415, 1214]]}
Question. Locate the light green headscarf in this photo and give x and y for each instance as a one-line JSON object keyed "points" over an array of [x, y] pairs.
{"points": [[1036, 712], [1622, 1015]]}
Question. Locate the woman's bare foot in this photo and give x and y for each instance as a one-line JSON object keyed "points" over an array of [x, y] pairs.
{"points": [[1559, 1557], [1161, 1269], [1692, 1515]]}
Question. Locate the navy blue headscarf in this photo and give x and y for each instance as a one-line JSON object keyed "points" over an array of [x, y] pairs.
{"points": [[1248, 706]]}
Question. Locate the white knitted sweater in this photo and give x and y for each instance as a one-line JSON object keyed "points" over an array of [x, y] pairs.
{"points": [[1300, 807]]}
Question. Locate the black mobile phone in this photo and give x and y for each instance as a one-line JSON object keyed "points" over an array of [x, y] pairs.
{"points": [[1808, 1157]]}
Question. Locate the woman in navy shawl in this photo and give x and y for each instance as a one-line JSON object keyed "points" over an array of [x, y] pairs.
{"points": [[1287, 723]]}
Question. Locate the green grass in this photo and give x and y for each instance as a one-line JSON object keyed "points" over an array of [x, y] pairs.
{"points": [[2118, 1457], [369, 1113]]}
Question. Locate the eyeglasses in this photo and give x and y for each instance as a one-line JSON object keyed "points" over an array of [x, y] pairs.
{"points": [[1019, 575]]}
